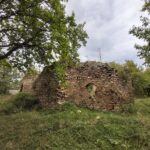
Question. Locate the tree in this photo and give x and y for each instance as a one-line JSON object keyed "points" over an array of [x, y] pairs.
{"points": [[38, 32], [147, 77], [143, 32], [9, 77], [4, 77]]}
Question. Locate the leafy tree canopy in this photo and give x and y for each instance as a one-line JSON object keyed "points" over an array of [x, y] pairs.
{"points": [[143, 32], [38, 31]]}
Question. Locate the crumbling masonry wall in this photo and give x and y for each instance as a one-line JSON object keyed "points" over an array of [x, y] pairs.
{"points": [[91, 84], [27, 83], [46, 87], [97, 86]]}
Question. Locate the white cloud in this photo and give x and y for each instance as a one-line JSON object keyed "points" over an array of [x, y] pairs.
{"points": [[107, 24]]}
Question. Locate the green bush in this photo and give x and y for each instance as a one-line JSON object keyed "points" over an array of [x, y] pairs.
{"points": [[4, 87], [20, 102], [128, 108], [25, 101], [140, 77]]}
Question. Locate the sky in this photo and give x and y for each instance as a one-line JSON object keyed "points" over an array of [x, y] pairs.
{"points": [[108, 23]]}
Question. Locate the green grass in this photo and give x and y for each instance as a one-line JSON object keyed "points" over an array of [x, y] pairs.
{"points": [[74, 128]]}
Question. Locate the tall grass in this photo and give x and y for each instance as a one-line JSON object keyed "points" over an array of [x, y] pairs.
{"points": [[72, 128]]}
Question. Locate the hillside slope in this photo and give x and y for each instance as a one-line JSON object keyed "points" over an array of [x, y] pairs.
{"points": [[73, 128]]}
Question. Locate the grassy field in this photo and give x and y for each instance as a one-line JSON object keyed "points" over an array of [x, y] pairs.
{"points": [[73, 128]]}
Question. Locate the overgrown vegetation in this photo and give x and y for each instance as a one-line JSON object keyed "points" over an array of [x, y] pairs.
{"points": [[40, 32], [9, 77], [20, 102], [140, 77], [71, 127]]}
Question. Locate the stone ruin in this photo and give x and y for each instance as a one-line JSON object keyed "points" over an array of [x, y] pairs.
{"points": [[27, 83], [91, 84]]}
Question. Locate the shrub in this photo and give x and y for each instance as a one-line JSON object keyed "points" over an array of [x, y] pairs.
{"points": [[25, 101], [20, 102], [4, 87], [128, 108]]}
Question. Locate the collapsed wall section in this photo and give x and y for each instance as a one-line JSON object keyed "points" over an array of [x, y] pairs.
{"points": [[91, 84], [46, 87], [97, 86], [27, 83]]}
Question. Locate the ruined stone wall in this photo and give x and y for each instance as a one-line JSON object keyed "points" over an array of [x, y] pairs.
{"points": [[91, 84], [46, 87], [27, 83], [109, 90]]}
